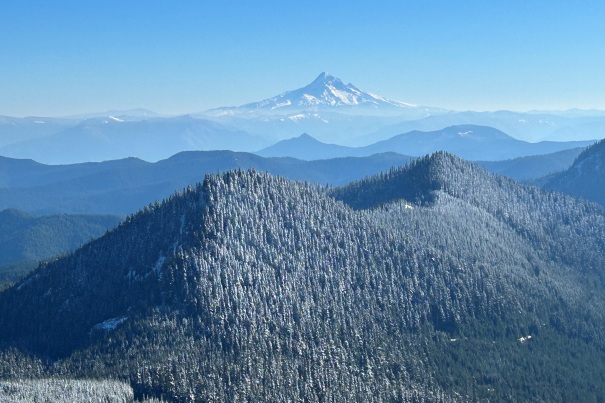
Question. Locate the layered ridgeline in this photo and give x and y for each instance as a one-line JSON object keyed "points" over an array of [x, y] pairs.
{"points": [[585, 178], [110, 138], [123, 186], [436, 284], [470, 142], [533, 167]]}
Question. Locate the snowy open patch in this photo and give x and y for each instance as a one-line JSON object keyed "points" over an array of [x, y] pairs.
{"points": [[110, 324], [28, 281], [115, 119], [524, 339]]}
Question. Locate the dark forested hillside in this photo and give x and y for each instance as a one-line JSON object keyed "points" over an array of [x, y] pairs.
{"points": [[437, 281], [546, 249], [263, 285], [25, 239], [459, 207], [585, 178]]}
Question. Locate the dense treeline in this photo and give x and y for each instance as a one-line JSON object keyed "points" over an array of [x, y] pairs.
{"points": [[262, 294], [543, 250], [585, 178], [26, 239], [252, 287], [65, 390]]}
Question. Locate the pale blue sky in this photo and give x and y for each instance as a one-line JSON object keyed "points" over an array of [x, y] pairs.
{"points": [[67, 57]]}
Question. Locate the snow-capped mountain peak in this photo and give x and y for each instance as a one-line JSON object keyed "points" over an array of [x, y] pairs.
{"points": [[325, 92]]}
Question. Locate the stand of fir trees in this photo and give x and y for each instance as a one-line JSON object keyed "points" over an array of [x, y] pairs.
{"points": [[433, 282]]}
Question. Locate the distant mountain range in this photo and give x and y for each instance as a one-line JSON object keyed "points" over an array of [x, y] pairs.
{"points": [[15, 130], [334, 112], [526, 126], [528, 169], [110, 138], [470, 142], [326, 109]]}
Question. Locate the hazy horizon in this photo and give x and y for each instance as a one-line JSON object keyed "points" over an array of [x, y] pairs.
{"points": [[65, 59]]}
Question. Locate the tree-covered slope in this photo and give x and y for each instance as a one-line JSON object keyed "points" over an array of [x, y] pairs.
{"points": [[558, 225], [271, 273], [585, 178], [546, 250], [252, 287], [457, 207], [65, 391], [25, 239]]}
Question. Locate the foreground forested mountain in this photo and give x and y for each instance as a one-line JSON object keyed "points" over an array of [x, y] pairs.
{"points": [[436, 281], [585, 178]]}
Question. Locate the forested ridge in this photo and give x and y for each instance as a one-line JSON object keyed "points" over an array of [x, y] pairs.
{"points": [[26, 239], [585, 178], [436, 281]]}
